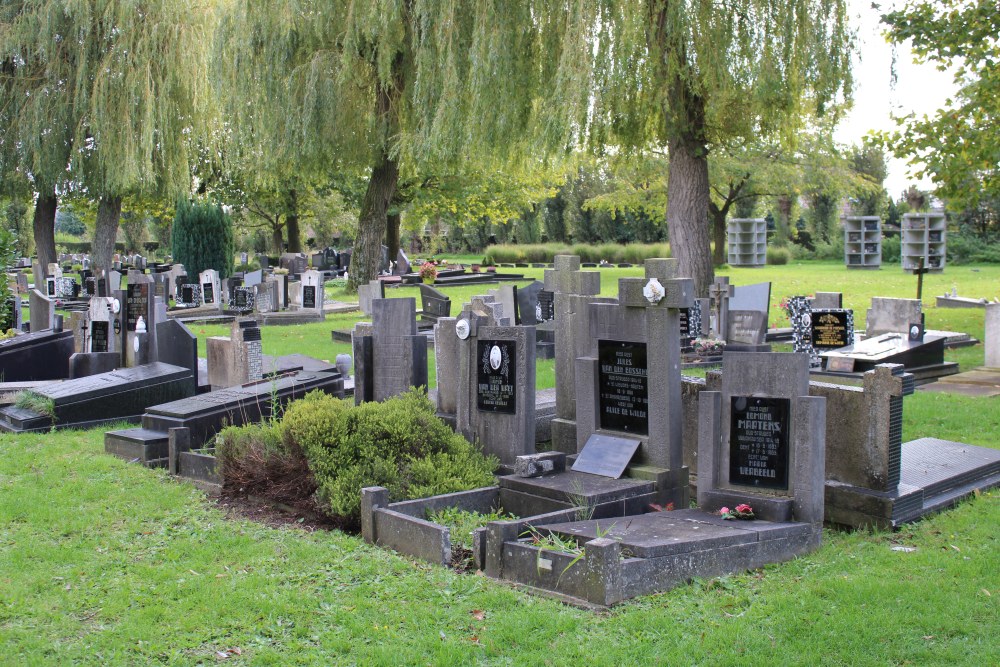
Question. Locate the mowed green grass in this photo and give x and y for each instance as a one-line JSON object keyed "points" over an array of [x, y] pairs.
{"points": [[103, 562], [106, 563]]}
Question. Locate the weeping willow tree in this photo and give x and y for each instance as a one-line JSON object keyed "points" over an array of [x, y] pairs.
{"points": [[105, 95], [373, 85], [693, 74]]}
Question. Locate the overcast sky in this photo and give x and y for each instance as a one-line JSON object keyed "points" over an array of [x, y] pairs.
{"points": [[919, 88]]}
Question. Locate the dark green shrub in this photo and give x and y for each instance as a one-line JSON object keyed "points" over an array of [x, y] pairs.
{"points": [[399, 444], [890, 250], [203, 238], [969, 249]]}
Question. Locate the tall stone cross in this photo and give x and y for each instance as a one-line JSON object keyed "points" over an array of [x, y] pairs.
{"points": [[572, 290], [720, 292]]}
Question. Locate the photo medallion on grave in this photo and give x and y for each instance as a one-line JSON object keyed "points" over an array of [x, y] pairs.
{"points": [[496, 386], [623, 386], [758, 442]]}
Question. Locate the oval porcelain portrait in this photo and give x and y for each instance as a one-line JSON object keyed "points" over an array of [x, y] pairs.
{"points": [[495, 357]]}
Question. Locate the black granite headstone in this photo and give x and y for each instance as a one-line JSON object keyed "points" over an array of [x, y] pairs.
{"points": [[137, 304], [546, 304], [497, 376], [759, 442], [832, 329], [309, 296], [208, 292], [623, 386], [99, 336]]}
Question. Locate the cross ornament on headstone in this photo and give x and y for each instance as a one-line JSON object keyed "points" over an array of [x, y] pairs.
{"points": [[720, 292]]}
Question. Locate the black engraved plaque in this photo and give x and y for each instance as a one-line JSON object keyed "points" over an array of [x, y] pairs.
{"points": [[623, 386], [830, 329], [208, 292], [496, 378], [137, 304], [99, 336], [758, 442], [309, 296]]}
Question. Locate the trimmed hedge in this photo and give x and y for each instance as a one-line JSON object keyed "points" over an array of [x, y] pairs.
{"points": [[631, 253]]}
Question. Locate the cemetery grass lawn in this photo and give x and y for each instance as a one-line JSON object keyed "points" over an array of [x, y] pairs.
{"points": [[105, 562]]}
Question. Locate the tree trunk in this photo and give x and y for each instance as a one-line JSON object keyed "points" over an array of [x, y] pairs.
{"points": [[687, 214], [109, 212], [292, 223], [381, 185], [392, 223], [372, 223], [44, 228], [277, 241], [719, 232]]}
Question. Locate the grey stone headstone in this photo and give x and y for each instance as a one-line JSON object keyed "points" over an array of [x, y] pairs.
{"points": [[746, 327], [890, 315], [42, 311], [253, 278], [992, 338], [752, 297], [375, 289], [344, 363], [827, 300], [402, 263], [606, 455]]}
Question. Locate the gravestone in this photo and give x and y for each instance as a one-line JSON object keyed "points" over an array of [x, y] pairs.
{"points": [[746, 331], [267, 296], [375, 289], [494, 385], [12, 318], [799, 314], [762, 440], [189, 295], [890, 315], [505, 304], [572, 291], [756, 296], [178, 346], [528, 307], [242, 300], [312, 291], [210, 294], [174, 279], [992, 338], [827, 300], [296, 263], [42, 311], [36, 356], [103, 326], [236, 359], [402, 264], [389, 355], [628, 383], [282, 281], [831, 328], [140, 301], [22, 282], [253, 278], [720, 292], [344, 259], [434, 305]]}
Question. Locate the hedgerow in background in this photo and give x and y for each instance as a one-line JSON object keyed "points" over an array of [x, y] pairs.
{"points": [[203, 238]]}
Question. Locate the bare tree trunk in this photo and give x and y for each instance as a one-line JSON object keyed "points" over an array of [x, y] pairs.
{"points": [[292, 223], [277, 241], [109, 212], [371, 226], [44, 228], [719, 233], [381, 185], [687, 214], [392, 234]]}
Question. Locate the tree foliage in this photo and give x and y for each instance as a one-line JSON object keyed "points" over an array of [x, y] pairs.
{"points": [[959, 146], [203, 238]]}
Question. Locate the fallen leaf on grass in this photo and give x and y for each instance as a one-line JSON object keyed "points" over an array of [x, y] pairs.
{"points": [[228, 653], [478, 614], [899, 547], [928, 637]]}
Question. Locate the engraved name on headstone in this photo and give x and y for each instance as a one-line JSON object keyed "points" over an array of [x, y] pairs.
{"points": [[622, 383], [758, 442], [496, 376]]}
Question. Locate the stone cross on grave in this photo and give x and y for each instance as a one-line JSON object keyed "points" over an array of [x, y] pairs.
{"points": [[573, 290], [720, 292], [628, 382]]}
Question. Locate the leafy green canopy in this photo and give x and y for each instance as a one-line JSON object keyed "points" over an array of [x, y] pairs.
{"points": [[960, 144]]}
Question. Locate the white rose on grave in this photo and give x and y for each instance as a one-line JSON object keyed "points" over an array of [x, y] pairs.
{"points": [[653, 291]]}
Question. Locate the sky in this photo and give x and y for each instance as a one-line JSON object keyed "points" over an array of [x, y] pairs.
{"points": [[919, 88]]}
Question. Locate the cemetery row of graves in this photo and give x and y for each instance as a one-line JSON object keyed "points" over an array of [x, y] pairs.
{"points": [[628, 477]]}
